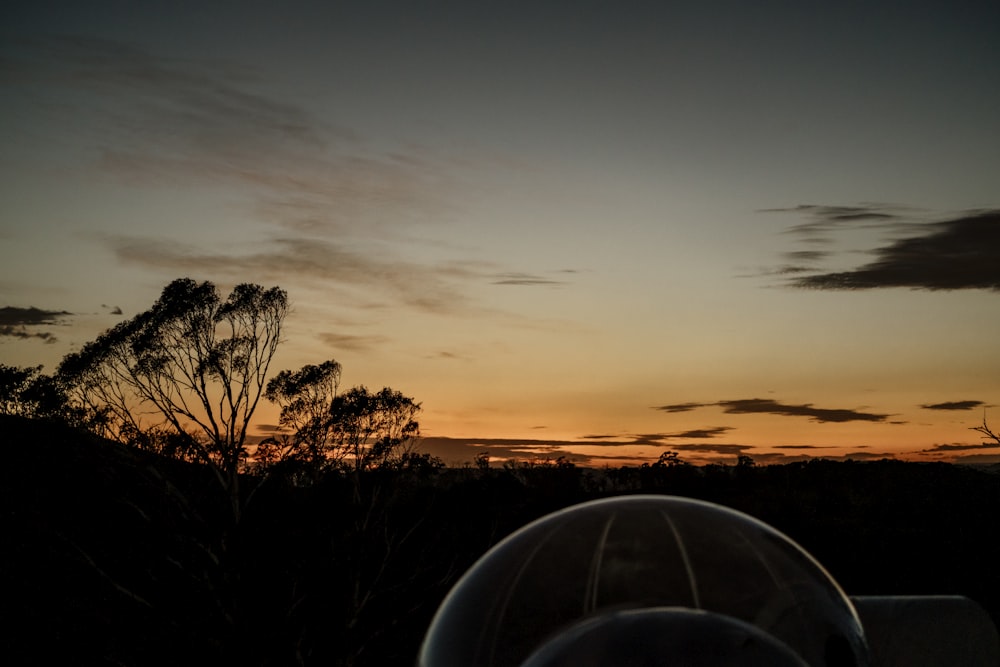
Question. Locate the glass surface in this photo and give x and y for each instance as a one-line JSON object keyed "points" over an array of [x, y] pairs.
{"points": [[640, 552], [642, 637]]}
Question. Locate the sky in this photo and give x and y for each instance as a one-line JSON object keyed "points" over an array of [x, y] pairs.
{"points": [[598, 230]]}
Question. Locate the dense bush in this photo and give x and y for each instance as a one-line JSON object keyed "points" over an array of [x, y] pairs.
{"points": [[117, 555]]}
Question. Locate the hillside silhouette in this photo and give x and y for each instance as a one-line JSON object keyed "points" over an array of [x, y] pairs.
{"points": [[117, 555]]}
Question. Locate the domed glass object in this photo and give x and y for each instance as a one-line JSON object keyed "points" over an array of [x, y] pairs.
{"points": [[642, 637], [587, 563]]}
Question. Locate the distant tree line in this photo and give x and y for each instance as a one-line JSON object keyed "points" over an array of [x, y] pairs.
{"points": [[113, 553]]}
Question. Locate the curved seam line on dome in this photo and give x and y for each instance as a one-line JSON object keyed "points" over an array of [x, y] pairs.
{"points": [[687, 561], [502, 612], [590, 600]]}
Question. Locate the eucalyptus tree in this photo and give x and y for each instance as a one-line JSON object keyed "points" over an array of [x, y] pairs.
{"points": [[372, 429], [28, 392], [304, 397], [188, 373], [15, 383], [355, 430]]}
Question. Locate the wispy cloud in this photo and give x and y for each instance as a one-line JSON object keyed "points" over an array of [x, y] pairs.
{"points": [[362, 277], [350, 342], [524, 279], [170, 121], [960, 447], [825, 217], [769, 406], [340, 207], [23, 334]]}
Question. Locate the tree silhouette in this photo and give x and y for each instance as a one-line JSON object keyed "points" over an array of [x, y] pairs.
{"points": [[27, 392], [355, 431], [985, 430], [184, 376], [15, 382], [304, 396], [372, 430]]}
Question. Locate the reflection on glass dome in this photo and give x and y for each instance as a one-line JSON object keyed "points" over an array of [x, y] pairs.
{"points": [[639, 552], [642, 637]]}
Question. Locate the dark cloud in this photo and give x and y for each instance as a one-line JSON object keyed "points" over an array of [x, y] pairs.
{"points": [[23, 334], [657, 439], [14, 323], [952, 405], [961, 253], [13, 316], [682, 407], [807, 255], [698, 433], [770, 406]]}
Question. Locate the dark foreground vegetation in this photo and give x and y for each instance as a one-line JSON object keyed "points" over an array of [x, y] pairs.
{"points": [[116, 555]]}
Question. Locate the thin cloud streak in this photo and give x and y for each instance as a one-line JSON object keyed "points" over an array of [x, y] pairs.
{"points": [[657, 439], [524, 279], [352, 343], [365, 278], [320, 262], [769, 406], [341, 209], [960, 447], [953, 405], [161, 121]]}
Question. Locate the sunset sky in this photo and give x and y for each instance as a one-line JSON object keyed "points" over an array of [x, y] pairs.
{"points": [[596, 229]]}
